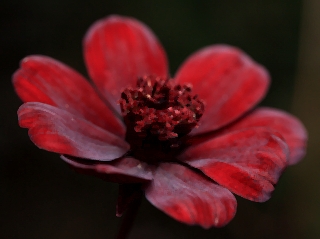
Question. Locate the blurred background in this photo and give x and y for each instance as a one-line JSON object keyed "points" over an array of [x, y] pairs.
{"points": [[42, 198]]}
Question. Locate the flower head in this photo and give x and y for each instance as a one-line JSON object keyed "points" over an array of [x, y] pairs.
{"points": [[188, 142]]}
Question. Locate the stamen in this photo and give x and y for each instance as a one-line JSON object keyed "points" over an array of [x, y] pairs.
{"points": [[159, 108]]}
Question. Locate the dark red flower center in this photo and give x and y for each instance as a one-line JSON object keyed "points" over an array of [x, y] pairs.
{"points": [[158, 114]]}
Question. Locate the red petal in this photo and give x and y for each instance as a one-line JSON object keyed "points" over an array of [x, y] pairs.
{"points": [[59, 131], [291, 129], [246, 162], [189, 197], [45, 80], [118, 50], [228, 81], [123, 170]]}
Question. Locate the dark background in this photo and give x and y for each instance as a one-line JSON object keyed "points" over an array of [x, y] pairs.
{"points": [[42, 198]]}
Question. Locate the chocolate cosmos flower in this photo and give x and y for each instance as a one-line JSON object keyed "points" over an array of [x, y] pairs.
{"points": [[187, 142]]}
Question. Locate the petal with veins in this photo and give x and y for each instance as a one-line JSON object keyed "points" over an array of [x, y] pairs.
{"points": [[290, 128], [190, 197], [59, 131], [227, 80], [123, 170], [45, 80], [247, 162], [117, 51]]}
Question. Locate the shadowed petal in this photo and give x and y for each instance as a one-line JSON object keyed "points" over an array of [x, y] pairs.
{"points": [[189, 197], [43, 79], [123, 170], [247, 162], [291, 129], [227, 80], [118, 50], [59, 131]]}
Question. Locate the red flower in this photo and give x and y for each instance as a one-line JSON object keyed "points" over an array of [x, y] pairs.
{"points": [[188, 142]]}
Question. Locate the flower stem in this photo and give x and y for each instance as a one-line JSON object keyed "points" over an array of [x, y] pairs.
{"points": [[128, 219]]}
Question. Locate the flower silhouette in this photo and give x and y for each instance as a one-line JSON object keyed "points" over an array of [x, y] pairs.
{"points": [[187, 142]]}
